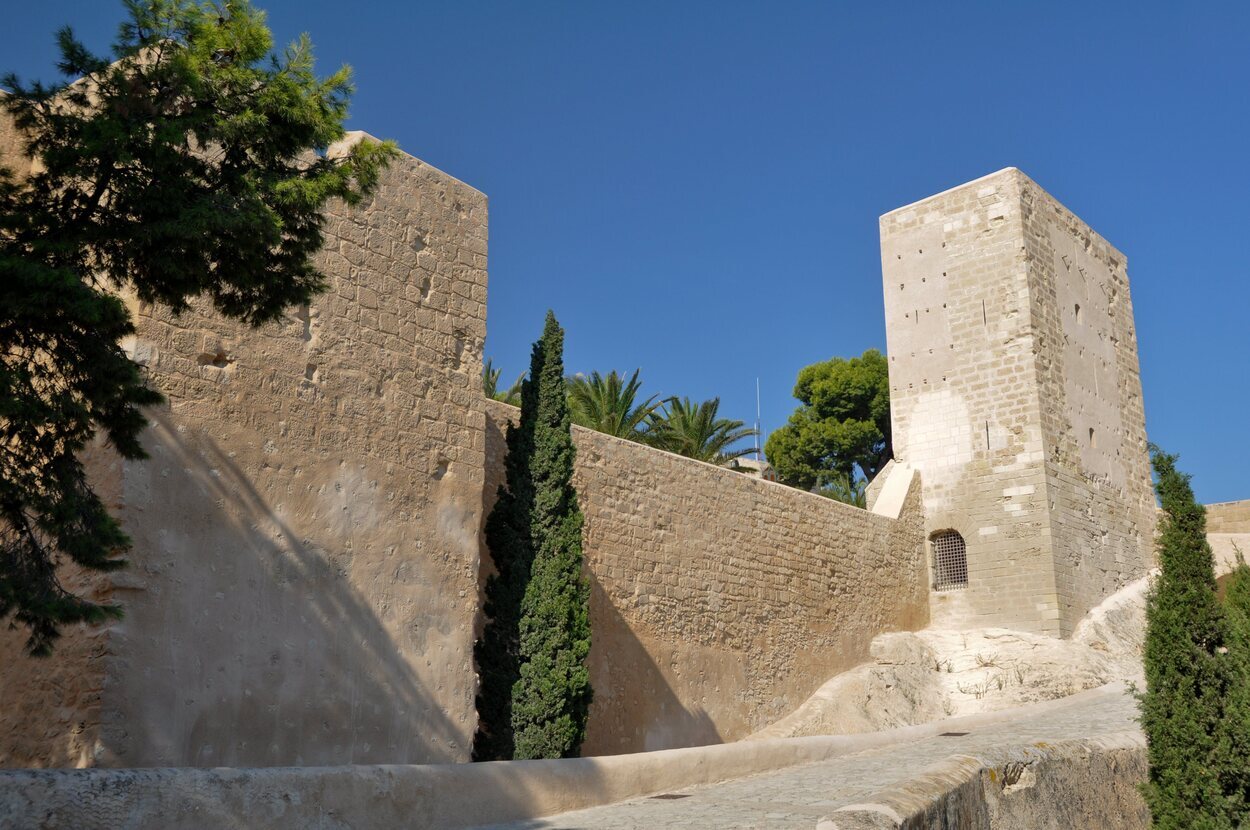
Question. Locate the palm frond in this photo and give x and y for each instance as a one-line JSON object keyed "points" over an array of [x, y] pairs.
{"points": [[490, 379], [606, 404], [697, 431], [490, 385]]}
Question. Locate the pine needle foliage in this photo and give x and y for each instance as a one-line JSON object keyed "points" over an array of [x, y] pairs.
{"points": [[841, 429], [189, 163], [535, 691], [1192, 747]]}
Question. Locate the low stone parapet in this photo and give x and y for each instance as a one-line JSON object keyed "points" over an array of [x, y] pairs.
{"points": [[1075, 783], [457, 796]]}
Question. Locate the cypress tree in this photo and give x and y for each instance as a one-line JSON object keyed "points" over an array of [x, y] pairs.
{"points": [[1237, 717], [497, 652], [1190, 743], [535, 688], [1237, 607]]}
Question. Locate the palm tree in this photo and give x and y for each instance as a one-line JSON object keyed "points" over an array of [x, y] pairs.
{"points": [[844, 487], [606, 404], [695, 431], [490, 385], [490, 379]]}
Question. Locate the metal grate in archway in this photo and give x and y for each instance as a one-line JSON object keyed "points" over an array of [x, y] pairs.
{"points": [[950, 561]]}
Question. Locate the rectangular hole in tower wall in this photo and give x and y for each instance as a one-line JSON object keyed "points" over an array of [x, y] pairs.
{"points": [[984, 317], [950, 561]]}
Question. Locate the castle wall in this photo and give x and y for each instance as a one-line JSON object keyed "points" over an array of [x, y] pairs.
{"points": [[1228, 532], [51, 707], [303, 587], [303, 584], [964, 402], [12, 149], [1102, 505], [720, 602], [1023, 414], [1229, 517]]}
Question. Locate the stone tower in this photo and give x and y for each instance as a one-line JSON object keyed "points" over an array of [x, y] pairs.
{"points": [[1015, 391]]}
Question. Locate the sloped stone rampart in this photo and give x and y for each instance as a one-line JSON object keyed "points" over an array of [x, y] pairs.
{"points": [[720, 601], [303, 584]]}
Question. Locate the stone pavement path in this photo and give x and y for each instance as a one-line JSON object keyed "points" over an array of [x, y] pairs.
{"points": [[796, 797]]}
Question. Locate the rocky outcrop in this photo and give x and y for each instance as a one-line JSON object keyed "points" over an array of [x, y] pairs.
{"points": [[923, 676]]}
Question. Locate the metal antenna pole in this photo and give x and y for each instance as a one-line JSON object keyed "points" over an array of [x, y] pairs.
{"points": [[758, 436]]}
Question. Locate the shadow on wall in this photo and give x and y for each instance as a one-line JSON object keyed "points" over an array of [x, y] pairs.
{"points": [[634, 707], [246, 644]]}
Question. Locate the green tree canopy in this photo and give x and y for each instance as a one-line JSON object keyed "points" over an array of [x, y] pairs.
{"points": [[607, 404], [534, 695], [841, 429], [192, 162], [697, 431]]}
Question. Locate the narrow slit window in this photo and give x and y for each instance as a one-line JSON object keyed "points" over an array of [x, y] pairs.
{"points": [[950, 561]]}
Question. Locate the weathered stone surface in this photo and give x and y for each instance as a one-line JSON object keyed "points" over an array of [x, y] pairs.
{"points": [[306, 573], [11, 144], [933, 674], [721, 601], [1229, 517], [1079, 783], [753, 784], [303, 584], [936, 777], [1015, 392]]}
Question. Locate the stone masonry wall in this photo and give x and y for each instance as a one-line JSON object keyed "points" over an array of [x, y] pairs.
{"points": [[964, 398], [1228, 532], [50, 707], [12, 154], [303, 584], [1229, 517], [1102, 506], [719, 601], [304, 581], [1015, 391]]}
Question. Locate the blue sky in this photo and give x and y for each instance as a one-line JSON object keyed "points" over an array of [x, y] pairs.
{"points": [[694, 187]]}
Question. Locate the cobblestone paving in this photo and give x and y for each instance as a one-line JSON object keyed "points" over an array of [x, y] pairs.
{"points": [[796, 797]]}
